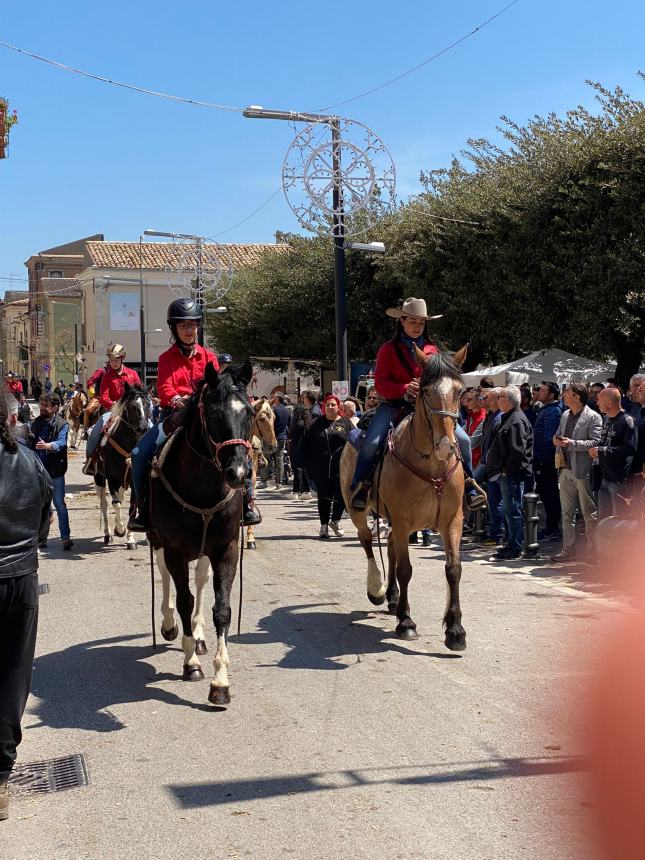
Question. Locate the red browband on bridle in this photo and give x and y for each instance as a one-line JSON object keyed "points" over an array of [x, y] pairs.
{"points": [[216, 447]]}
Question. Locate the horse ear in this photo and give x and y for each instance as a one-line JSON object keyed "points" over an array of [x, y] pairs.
{"points": [[460, 356], [126, 387], [148, 389], [246, 373], [422, 358], [211, 375]]}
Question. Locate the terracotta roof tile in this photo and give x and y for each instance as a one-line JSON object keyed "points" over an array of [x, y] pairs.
{"points": [[160, 255], [62, 288], [15, 295]]}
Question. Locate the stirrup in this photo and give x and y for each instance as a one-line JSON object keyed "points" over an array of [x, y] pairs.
{"points": [[89, 467], [138, 522], [250, 514], [360, 498], [477, 500]]}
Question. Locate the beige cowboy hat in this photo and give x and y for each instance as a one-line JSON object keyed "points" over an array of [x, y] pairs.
{"points": [[412, 308]]}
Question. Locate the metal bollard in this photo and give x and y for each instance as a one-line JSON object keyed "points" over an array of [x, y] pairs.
{"points": [[478, 526], [531, 520]]}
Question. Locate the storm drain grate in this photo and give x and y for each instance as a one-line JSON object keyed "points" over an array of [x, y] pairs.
{"points": [[43, 588], [57, 774]]}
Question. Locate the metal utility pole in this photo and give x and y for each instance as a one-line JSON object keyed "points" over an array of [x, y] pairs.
{"points": [[142, 315], [199, 286], [339, 256]]}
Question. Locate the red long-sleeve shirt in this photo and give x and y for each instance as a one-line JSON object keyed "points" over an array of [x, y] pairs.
{"points": [[177, 374], [395, 369], [473, 421], [112, 384], [95, 378]]}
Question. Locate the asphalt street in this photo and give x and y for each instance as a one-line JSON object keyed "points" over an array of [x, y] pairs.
{"points": [[340, 740]]}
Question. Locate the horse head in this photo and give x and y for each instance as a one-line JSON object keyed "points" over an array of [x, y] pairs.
{"points": [[439, 389], [134, 407], [264, 424], [226, 417]]}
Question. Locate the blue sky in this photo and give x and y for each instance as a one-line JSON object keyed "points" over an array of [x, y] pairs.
{"points": [[88, 158]]}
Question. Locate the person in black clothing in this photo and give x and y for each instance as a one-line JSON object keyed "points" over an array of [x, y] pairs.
{"points": [[301, 417], [510, 461], [615, 451], [321, 446], [24, 487], [24, 410], [281, 428], [638, 464]]}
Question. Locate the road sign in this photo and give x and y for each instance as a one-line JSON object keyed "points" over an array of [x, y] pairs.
{"points": [[340, 389], [46, 366]]}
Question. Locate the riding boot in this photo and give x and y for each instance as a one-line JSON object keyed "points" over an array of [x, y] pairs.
{"points": [[250, 514], [360, 498], [90, 465], [140, 521], [475, 496]]}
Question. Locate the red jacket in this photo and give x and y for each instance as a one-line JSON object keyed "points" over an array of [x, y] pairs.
{"points": [[473, 421], [96, 378], [177, 374], [15, 388], [395, 369], [112, 387]]}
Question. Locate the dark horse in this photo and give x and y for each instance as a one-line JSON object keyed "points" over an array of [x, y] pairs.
{"points": [[130, 420], [196, 510]]}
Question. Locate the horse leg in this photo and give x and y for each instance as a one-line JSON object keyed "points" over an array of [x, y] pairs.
{"points": [[455, 634], [117, 502], [178, 568], [250, 537], [392, 593], [202, 573], [101, 492], [406, 628], [375, 587], [130, 539], [169, 629], [224, 570]]}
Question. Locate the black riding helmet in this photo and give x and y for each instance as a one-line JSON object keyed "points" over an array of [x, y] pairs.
{"points": [[184, 309]]}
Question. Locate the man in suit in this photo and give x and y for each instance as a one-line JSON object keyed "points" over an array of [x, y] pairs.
{"points": [[579, 430]]}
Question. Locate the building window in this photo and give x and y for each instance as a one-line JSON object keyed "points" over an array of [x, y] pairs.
{"points": [[56, 273]]}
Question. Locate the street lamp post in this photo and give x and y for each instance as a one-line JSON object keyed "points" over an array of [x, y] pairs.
{"points": [[199, 283], [257, 112]]}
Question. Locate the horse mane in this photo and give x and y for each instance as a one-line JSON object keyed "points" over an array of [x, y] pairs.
{"points": [[439, 366]]}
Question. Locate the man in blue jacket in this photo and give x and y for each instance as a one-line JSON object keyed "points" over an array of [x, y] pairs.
{"points": [[49, 431], [546, 474]]}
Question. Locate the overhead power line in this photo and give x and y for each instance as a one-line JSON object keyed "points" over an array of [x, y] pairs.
{"points": [[125, 86]]}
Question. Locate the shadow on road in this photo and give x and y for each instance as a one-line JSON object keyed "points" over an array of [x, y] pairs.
{"points": [[75, 687], [234, 791], [318, 639]]}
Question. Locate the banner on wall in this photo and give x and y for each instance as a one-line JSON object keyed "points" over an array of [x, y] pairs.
{"points": [[124, 312]]}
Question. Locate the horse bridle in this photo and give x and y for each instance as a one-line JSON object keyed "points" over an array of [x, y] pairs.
{"points": [[444, 413], [215, 447]]}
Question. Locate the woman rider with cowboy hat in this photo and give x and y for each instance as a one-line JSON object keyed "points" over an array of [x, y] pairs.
{"points": [[179, 369], [112, 388], [396, 379]]}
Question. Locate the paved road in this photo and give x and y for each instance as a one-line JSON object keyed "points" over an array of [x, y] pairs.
{"points": [[340, 740]]}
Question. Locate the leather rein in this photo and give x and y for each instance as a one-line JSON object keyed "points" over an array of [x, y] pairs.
{"points": [[438, 484]]}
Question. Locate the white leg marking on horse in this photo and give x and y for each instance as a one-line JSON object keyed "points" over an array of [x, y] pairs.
{"points": [[220, 664], [202, 575], [167, 604], [117, 504], [190, 658], [375, 585], [102, 494]]}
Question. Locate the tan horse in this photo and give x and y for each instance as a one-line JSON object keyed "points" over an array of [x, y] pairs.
{"points": [[73, 414], [420, 484], [263, 437]]}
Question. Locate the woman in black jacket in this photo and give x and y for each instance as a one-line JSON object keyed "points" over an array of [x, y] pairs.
{"points": [[322, 444]]}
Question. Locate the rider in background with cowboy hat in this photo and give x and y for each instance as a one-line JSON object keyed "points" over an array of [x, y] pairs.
{"points": [[112, 389], [396, 379]]}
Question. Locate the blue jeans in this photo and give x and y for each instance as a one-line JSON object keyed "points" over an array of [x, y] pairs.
{"points": [[61, 507], [495, 511], [376, 437], [143, 454], [512, 492], [95, 435]]}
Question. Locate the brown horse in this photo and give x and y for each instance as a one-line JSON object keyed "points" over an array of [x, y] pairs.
{"points": [[73, 414], [263, 438], [419, 484]]}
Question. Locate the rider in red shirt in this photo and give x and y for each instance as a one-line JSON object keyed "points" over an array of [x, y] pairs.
{"points": [[112, 389], [13, 384]]}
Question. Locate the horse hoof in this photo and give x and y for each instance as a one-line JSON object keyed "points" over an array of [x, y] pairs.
{"points": [[456, 643], [219, 696], [106, 539], [119, 533], [251, 545], [193, 673], [132, 545], [375, 600], [200, 647], [391, 608], [169, 635], [408, 633]]}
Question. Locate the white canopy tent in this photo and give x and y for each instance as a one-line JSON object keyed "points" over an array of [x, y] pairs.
{"points": [[549, 364]]}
